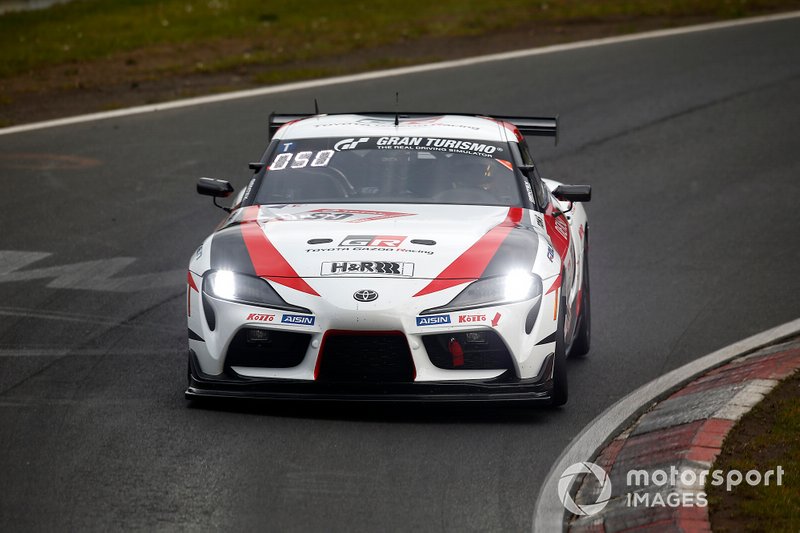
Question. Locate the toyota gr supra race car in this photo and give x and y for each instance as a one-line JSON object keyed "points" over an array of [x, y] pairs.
{"points": [[387, 256]]}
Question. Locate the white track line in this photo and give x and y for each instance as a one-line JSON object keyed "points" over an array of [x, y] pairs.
{"points": [[549, 513], [325, 82]]}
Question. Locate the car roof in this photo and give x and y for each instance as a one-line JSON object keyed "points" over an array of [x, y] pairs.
{"points": [[366, 125]]}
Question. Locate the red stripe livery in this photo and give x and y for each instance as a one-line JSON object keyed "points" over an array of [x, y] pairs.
{"points": [[472, 263], [267, 260], [192, 287]]}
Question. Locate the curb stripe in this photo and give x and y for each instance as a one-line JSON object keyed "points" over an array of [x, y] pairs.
{"points": [[549, 513]]}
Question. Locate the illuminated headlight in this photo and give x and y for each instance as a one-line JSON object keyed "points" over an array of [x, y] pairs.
{"points": [[517, 286], [241, 288]]}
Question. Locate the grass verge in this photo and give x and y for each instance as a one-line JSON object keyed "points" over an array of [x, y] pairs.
{"points": [[764, 438], [141, 51]]}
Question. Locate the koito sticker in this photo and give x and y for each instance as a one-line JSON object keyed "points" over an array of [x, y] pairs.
{"points": [[260, 317], [471, 318]]}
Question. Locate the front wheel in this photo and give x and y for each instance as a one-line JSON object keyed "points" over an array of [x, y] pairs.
{"points": [[560, 388]]}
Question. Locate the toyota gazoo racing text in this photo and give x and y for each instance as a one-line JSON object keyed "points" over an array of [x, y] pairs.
{"points": [[389, 256]]}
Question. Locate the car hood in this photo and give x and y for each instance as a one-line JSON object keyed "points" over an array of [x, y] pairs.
{"points": [[365, 240]]}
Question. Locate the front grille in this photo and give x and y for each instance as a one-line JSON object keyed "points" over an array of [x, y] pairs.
{"points": [[489, 355], [379, 357], [283, 349]]}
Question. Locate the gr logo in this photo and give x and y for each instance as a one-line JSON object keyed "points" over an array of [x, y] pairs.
{"points": [[566, 480], [381, 241], [349, 144]]}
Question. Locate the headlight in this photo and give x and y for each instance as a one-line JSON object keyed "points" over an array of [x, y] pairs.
{"points": [[517, 286], [241, 288]]}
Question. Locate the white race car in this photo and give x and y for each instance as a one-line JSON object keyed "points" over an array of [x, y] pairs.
{"points": [[387, 256]]}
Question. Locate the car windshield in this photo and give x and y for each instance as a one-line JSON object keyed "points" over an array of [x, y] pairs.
{"points": [[390, 170]]}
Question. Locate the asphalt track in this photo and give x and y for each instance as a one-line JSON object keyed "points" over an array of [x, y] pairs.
{"points": [[692, 146]]}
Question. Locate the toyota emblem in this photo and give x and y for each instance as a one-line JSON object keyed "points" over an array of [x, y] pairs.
{"points": [[365, 295]]}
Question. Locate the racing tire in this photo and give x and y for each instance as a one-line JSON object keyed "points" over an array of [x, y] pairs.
{"points": [[560, 387], [583, 337]]}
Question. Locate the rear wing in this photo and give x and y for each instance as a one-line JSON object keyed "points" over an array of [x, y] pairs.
{"points": [[534, 126], [277, 121]]}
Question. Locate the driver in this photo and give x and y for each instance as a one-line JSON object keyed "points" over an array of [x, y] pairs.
{"points": [[473, 173]]}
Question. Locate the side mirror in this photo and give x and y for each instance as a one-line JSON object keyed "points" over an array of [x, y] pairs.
{"points": [[215, 188], [573, 193]]}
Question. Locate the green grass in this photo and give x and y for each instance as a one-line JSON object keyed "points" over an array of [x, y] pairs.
{"points": [[279, 32], [770, 437]]}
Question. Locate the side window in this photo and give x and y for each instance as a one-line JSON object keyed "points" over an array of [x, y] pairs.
{"points": [[539, 189], [542, 193], [525, 153], [254, 186]]}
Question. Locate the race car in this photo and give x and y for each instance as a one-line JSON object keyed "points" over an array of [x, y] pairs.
{"points": [[391, 257]]}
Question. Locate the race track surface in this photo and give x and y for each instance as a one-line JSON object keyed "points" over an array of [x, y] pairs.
{"points": [[692, 145]]}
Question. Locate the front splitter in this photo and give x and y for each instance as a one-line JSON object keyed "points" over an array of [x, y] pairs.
{"points": [[496, 390]]}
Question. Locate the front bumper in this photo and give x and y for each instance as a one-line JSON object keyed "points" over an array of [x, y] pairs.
{"points": [[230, 385]]}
